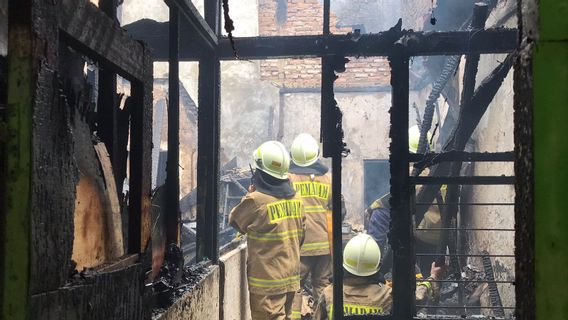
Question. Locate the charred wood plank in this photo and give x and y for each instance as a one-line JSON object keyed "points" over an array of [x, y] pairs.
{"points": [[88, 29]]}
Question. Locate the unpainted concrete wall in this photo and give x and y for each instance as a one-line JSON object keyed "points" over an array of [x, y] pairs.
{"points": [[222, 294], [234, 287]]}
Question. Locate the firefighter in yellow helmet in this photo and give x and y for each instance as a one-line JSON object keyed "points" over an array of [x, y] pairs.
{"points": [[363, 293], [273, 217], [377, 219], [312, 181]]}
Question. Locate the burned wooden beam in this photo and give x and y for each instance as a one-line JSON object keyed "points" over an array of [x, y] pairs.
{"points": [[208, 144], [195, 23], [500, 40], [449, 212], [401, 235], [208, 159], [464, 129], [172, 212], [86, 28], [418, 43]]}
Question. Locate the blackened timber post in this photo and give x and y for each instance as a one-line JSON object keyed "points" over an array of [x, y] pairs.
{"points": [[107, 106], [331, 149], [401, 233], [172, 216], [209, 115], [208, 159]]}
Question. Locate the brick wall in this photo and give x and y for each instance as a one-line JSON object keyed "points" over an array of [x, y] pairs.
{"points": [[305, 17]]}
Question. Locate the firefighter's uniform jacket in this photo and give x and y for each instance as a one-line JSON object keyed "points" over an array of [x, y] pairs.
{"points": [[275, 231], [361, 297], [315, 192]]}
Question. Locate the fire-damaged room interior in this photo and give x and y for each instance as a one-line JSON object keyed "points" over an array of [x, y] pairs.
{"points": [[283, 159]]}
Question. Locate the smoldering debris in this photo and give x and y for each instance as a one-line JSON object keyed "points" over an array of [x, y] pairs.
{"points": [[174, 280]]}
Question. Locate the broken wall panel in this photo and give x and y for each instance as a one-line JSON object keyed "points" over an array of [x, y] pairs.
{"points": [[61, 148]]}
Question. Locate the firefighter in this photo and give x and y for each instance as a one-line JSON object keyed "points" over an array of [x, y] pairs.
{"points": [[363, 293], [312, 181], [273, 218], [427, 240], [377, 219]]}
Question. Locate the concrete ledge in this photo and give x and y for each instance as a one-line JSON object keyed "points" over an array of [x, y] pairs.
{"points": [[200, 303], [233, 285]]}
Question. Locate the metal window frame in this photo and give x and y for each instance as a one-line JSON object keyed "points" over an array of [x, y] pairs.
{"points": [[396, 44]]}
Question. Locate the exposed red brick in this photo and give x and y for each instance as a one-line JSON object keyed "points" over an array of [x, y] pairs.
{"points": [[305, 17]]}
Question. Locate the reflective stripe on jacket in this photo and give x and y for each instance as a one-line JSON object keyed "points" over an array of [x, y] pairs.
{"points": [[315, 192], [275, 229], [361, 297]]}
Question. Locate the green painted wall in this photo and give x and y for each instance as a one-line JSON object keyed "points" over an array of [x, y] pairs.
{"points": [[550, 70]]}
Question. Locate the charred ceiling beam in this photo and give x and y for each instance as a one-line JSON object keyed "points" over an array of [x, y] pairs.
{"points": [[418, 43], [193, 23], [499, 40], [86, 28]]}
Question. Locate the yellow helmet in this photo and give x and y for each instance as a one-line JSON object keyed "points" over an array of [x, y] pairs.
{"points": [[414, 138], [304, 150], [273, 159], [362, 255]]}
